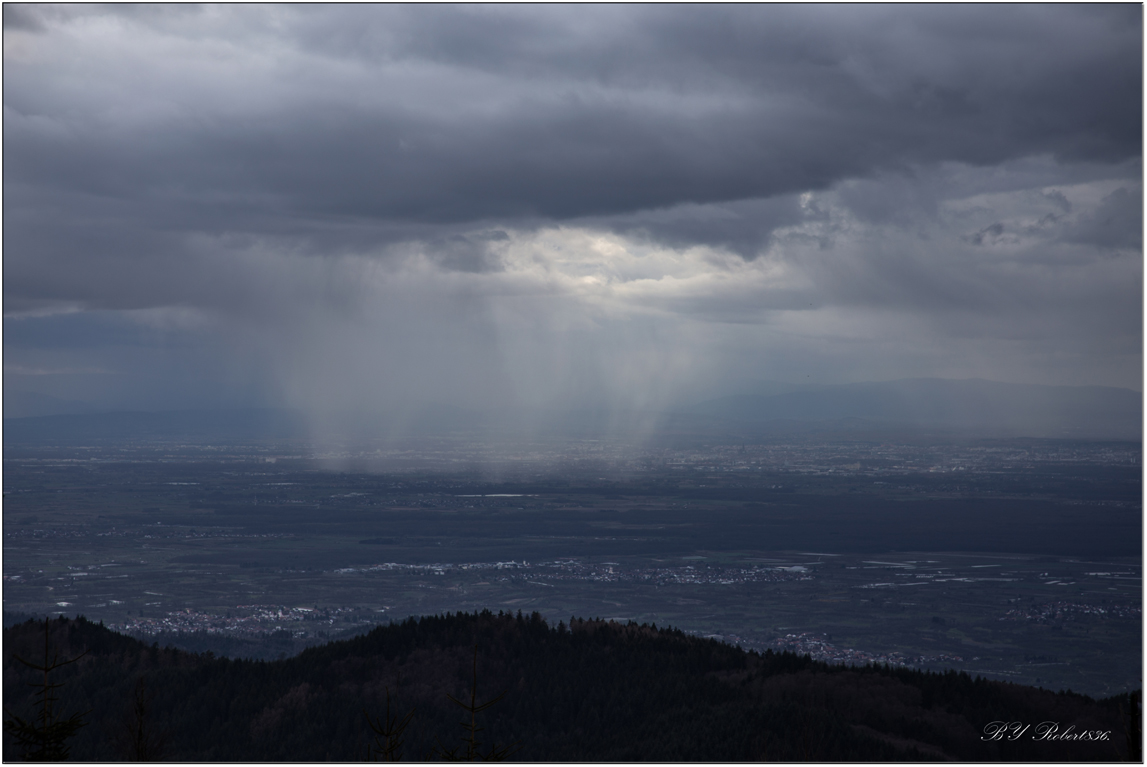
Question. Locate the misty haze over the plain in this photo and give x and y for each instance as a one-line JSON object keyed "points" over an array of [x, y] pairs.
{"points": [[616, 209]]}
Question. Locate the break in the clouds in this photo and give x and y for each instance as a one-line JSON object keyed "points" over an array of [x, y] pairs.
{"points": [[362, 206]]}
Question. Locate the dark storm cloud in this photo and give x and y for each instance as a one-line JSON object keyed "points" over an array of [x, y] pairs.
{"points": [[325, 191], [567, 113]]}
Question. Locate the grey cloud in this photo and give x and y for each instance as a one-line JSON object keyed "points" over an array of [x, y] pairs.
{"points": [[744, 227], [22, 17], [743, 309], [467, 253], [898, 198], [1116, 223], [1059, 199], [999, 277], [990, 233]]}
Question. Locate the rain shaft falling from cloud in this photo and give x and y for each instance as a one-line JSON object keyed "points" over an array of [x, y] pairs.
{"points": [[619, 208]]}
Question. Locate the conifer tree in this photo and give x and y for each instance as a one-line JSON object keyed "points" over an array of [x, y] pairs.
{"points": [[470, 739], [44, 737], [388, 735], [138, 739]]}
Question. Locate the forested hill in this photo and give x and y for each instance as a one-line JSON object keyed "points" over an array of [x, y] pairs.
{"points": [[590, 691]]}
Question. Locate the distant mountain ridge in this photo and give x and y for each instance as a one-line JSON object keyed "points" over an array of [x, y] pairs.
{"points": [[191, 425], [962, 408], [228, 426], [966, 405], [28, 404]]}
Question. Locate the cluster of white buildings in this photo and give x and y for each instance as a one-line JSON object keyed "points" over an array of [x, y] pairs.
{"points": [[243, 621], [818, 648]]}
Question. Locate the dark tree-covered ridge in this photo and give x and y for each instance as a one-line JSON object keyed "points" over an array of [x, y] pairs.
{"points": [[588, 691]]}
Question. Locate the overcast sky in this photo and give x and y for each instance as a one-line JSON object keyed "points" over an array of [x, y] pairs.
{"points": [[343, 207]]}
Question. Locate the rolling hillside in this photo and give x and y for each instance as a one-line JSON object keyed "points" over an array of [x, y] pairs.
{"points": [[589, 691]]}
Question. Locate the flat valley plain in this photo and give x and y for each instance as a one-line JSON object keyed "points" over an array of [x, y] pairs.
{"points": [[1013, 560]]}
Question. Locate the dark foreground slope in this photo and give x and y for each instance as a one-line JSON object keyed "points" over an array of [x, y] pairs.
{"points": [[602, 691]]}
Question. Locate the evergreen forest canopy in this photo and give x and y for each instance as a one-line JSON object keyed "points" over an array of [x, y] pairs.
{"points": [[589, 691]]}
